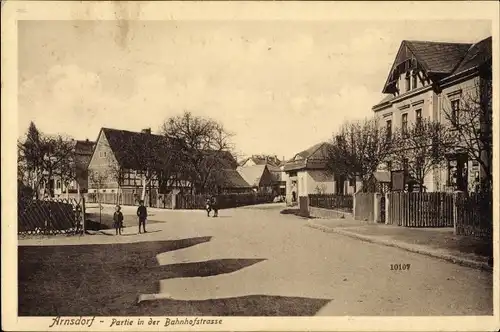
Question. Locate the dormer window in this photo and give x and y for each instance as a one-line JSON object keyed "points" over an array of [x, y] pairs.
{"points": [[407, 82]]}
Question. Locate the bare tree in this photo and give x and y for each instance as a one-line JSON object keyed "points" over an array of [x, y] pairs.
{"points": [[358, 149], [44, 157], [203, 149], [420, 148], [470, 118], [98, 179]]}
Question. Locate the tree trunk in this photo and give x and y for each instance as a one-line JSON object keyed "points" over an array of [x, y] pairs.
{"points": [[67, 191], [143, 194], [78, 189]]}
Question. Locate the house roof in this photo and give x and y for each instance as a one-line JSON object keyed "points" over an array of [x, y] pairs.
{"points": [[438, 57], [133, 149], [478, 54], [263, 160], [438, 60], [252, 174], [314, 157], [232, 179]]}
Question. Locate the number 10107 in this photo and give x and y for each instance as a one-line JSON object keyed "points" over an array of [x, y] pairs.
{"points": [[400, 267]]}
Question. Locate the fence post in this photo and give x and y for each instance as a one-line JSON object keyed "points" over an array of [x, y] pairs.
{"points": [[457, 218], [387, 209], [174, 200], [376, 207], [83, 215], [354, 206]]}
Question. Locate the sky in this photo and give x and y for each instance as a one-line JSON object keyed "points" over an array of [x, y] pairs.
{"points": [[279, 86]]}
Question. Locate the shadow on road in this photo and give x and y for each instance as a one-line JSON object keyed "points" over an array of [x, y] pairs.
{"points": [[205, 269], [100, 279], [252, 305]]}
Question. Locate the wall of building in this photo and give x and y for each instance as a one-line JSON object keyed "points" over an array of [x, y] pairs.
{"points": [[319, 181], [102, 163], [434, 107]]}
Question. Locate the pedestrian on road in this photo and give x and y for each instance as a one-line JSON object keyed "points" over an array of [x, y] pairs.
{"points": [[214, 205], [208, 206], [118, 220], [142, 214]]}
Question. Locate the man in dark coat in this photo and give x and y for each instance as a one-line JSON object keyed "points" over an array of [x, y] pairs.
{"points": [[215, 206], [142, 214]]}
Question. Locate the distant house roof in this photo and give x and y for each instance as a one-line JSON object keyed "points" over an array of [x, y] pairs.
{"points": [[439, 60], [252, 174], [232, 179], [262, 160], [314, 157]]}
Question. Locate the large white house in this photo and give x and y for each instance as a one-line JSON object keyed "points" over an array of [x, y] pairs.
{"points": [[428, 79]]}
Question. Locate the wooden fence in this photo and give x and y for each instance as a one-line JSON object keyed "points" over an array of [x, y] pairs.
{"points": [[433, 209], [126, 198], [364, 207], [332, 201], [474, 215], [52, 216], [225, 201]]}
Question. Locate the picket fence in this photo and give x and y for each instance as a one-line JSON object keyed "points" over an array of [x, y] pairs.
{"points": [[432, 209], [50, 216], [157, 200], [474, 215], [332, 201], [181, 201]]}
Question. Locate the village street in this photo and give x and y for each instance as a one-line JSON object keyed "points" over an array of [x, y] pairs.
{"points": [[257, 261]]}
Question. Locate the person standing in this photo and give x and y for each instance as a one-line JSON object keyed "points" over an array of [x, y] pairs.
{"points": [[215, 206], [118, 220], [142, 214], [208, 206]]}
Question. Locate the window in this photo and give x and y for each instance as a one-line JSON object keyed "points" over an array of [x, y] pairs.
{"points": [[407, 82], [388, 129], [455, 107], [58, 184], [414, 81], [418, 117], [404, 124], [352, 182], [103, 154]]}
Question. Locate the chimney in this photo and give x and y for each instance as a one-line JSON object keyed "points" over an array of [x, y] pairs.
{"points": [[146, 131]]}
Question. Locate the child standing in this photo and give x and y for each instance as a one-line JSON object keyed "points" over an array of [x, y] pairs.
{"points": [[118, 220], [142, 214]]}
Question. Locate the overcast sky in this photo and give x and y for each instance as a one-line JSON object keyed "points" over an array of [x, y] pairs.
{"points": [[281, 86]]}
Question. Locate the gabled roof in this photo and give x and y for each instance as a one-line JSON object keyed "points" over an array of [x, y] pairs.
{"points": [[438, 60], [438, 57], [314, 157], [252, 174], [262, 160], [432, 57], [232, 179], [133, 149]]}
